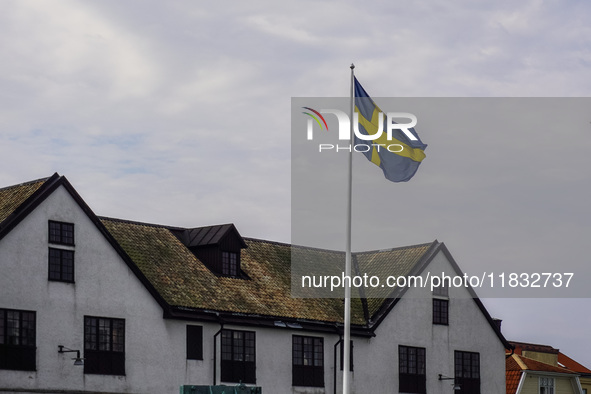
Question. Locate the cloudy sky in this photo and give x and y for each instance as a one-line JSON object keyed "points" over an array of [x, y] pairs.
{"points": [[179, 113]]}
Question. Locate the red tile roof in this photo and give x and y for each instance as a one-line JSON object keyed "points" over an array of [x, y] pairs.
{"points": [[512, 381], [533, 347], [572, 364], [521, 363]]}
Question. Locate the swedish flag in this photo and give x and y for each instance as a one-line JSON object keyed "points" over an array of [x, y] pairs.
{"points": [[397, 166]]}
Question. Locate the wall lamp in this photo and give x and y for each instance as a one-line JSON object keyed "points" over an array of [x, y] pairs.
{"points": [[77, 360], [456, 385]]}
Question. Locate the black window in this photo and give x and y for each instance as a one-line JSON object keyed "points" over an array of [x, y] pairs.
{"points": [[467, 372], [308, 361], [411, 369], [230, 263], [194, 343], [350, 355], [440, 311], [238, 356], [61, 233], [61, 265], [17, 340], [104, 346]]}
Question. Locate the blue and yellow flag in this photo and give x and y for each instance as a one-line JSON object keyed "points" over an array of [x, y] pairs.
{"points": [[397, 166]]}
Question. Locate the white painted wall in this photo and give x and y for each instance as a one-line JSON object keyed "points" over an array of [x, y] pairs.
{"points": [[156, 348], [410, 324], [104, 286]]}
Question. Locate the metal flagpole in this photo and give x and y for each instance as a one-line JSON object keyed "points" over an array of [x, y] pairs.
{"points": [[347, 311]]}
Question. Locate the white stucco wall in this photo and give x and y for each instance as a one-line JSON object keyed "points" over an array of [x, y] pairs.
{"points": [[411, 324], [155, 348], [105, 287]]}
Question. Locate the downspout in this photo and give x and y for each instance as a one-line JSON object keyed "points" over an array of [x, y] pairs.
{"points": [[215, 352], [334, 378], [512, 352]]}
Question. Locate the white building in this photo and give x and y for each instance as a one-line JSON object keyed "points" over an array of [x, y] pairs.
{"points": [[151, 308]]}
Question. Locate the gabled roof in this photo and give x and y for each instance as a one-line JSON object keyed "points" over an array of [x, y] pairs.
{"points": [[562, 359], [209, 235], [533, 347], [188, 286], [12, 197], [516, 366], [512, 375], [161, 258], [521, 363], [571, 364]]}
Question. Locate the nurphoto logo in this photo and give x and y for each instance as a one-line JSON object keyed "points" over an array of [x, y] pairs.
{"points": [[376, 123]]}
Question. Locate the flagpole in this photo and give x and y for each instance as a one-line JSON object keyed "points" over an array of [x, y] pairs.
{"points": [[347, 311]]}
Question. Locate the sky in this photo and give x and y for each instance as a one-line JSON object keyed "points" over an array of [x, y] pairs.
{"points": [[179, 113]]}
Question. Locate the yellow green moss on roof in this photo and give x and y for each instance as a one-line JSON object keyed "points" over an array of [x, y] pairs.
{"points": [[394, 262], [183, 280], [12, 197]]}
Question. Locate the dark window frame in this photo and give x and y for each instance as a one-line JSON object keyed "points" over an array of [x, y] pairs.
{"points": [[440, 311], [238, 356], [61, 233], [307, 361], [18, 341], [194, 342], [467, 371], [104, 346], [412, 377], [350, 355], [60, 265], [230, 263]]}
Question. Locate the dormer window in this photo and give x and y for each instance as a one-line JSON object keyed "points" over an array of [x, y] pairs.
{"points": [[230, 265], [217, 247]]}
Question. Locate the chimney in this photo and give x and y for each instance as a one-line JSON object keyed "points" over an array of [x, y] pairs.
{"points": [[498, 323]]}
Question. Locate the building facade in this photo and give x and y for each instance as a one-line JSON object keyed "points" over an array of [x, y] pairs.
{"points": [[147, 308], [528, 376]]}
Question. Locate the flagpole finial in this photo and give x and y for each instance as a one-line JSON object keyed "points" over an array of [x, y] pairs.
{"points": [[352, 66]]}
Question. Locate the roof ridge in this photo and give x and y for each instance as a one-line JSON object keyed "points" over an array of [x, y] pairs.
{"points": [[137, 223], [519, 361], [338, 251], [397, 248], [25, 183]]}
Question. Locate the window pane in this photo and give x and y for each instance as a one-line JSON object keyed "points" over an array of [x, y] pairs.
{"points": [[118, 335], [54, 232], [104, 331], [402, 359], [238, 346], [249, 349], [2, 313], [13, 328], [104, 345]]}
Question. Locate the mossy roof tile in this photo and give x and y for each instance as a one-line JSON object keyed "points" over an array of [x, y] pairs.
{"points": [[182, 280], [12, 197]]}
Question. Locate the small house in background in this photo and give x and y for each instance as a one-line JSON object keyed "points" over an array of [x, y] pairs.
{"points": [[535, 368]]}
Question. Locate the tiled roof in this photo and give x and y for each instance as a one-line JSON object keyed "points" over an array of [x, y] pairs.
{"points": [[163, 259], [533, 347], [184, 281], [521, 363], [512, 381], [393, 262], [562, 358], [12, 197], [572, 364]]}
